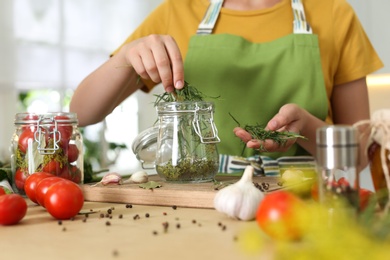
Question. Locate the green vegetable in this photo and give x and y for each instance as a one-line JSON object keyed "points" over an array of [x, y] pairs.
{"points": [[258, 132]]}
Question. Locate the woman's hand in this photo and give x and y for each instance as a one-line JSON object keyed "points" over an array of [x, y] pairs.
{"points": [[157, 58], [290, 118]]}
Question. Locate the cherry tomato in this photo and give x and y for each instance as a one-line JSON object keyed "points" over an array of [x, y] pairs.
{"points": [[2, 191], [20, 178], [32, 182], [13, 208], [43, 186], [65, 130], [53, 167], [364, 198], [71, 173], [24, 137], [278, 215], [64, 199], [72, 152]]}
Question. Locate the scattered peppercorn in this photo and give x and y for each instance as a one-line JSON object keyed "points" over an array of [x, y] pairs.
{"points": [[155, 233], [177, 225], [64, 229], [84, 219], [164, 213], [108, 223], [109, 211], [136, 217], [193, 221], [120, 216], [60, 222], [147, 215], [165, 225], [101, 215], [174, 207], [129, 206]]}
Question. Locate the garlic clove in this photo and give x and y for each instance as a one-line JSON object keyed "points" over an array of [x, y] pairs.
{"points": [[241, 199], [110, 178], [138, 177]]}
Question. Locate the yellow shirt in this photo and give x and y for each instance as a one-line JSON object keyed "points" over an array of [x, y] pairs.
{"points": [[346, 52]]}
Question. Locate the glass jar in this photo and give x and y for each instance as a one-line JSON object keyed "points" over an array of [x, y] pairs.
{"points": [[337, 159], [187, 142], [46, 143]]}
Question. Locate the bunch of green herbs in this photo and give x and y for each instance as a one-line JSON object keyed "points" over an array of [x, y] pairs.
{"points": [[260, 133]]}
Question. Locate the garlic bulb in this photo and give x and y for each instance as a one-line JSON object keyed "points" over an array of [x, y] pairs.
{"points": [[241, 199], [138, 177]]}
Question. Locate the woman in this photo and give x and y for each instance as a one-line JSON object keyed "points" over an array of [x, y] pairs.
{"points": [[292, 65]]}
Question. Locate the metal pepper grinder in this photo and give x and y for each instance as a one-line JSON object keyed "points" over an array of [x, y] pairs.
{"points": [[337, 160]]}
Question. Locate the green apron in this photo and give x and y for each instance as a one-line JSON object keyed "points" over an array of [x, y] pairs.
{"points": [[253, 80]]}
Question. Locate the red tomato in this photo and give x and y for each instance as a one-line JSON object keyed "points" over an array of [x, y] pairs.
{"points": [[71, 173], [343, 183], [65, 130], [24, 137], [64, 199], [20, 178], [53, 167], [364, 198], [2, 191], [278, 215], [13, 208], [32, 182], [72, 152], [43, 186]]}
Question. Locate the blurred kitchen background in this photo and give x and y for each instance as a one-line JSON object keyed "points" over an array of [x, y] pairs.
{"points": [[48, 46]]}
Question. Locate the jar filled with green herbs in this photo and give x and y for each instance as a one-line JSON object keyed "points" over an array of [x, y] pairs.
{"points": [[187, 141]]}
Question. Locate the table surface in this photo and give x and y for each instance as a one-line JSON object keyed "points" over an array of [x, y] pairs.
{"points": [[127, 233]]}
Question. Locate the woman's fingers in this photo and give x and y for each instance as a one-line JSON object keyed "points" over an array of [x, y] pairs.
{"points": [[158, 58]]}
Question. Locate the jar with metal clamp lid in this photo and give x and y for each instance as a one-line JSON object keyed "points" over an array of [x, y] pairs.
{"points": [[187, 142], [48, 142]]}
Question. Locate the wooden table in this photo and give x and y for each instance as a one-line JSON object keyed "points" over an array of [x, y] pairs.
{"points": [[192, 233]]}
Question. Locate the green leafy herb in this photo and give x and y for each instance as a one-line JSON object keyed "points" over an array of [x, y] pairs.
{"points": [[258, 132], [187, 93]]}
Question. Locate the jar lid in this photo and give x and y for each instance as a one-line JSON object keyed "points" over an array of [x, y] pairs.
{"points": [[32, 118], [337, 135], [337, 146], [145, 146]]}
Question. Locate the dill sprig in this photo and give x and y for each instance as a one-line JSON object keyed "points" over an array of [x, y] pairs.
{"points": [[260, 133], [279, 137], [187, 93]]}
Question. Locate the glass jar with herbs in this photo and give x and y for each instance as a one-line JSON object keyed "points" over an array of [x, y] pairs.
{"points": [[187, 141], [48, 142]]}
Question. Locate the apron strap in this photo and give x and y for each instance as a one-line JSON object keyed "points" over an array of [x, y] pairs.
{"points": [[210, 18], [301, 26]]}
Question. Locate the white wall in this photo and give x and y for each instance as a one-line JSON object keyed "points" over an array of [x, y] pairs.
{"points": [[375, 18]]}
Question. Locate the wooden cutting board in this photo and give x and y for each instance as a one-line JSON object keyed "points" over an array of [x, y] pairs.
{"points": [[194, 195]]}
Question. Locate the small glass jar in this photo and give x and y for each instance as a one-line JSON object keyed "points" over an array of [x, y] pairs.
{"points": [[46, 143], [187, 142], [337, 159]]}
